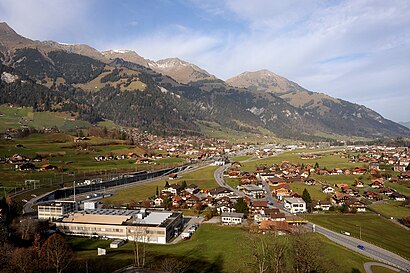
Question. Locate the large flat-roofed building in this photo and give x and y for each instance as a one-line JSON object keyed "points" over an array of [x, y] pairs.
{"points": [[137, 225], [56, 210]]}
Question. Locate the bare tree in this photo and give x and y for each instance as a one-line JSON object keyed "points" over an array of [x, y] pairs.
{"points": [[307, 254], [57, 252], [23, 260], [26, 227], [140, 236], [268, 252]]}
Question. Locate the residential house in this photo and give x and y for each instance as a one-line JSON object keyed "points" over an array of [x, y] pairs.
{"points": [[339, 198], [358, 184], [322, 205], [253, 191], [398, 196], [282, 191], [192, 189], [278, 227], [220, 192], [258, 205], [276, 181], [295, 205], [269, 214], [371, 195], [354, 203], [172, 176], [328, 189], [173, 189]]}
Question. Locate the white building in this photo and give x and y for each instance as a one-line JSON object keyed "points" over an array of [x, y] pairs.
{"points": [[54, 211], [233, 218], [295, 205], [142, 225]]}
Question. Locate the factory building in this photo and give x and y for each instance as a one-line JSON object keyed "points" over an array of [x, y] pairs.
{"points": [[142, 225]]}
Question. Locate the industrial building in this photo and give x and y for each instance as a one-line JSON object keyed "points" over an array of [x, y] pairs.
{"points": [[56, 210], [142, 225]]}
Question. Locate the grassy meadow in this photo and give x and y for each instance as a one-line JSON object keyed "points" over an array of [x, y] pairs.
{"points": [[375, 229], [212, 248]]}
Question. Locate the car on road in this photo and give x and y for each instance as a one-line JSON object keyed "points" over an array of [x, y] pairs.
{"points": [[361, 247]]}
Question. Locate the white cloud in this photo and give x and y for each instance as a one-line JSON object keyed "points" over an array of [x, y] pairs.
{"points": [[43, 19]]}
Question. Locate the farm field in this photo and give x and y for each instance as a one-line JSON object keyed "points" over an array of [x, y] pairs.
{"points": [[60, 150], [203, 178], [375, 229], [392, 209], [211, 249], [16, 117], [328, 160]]}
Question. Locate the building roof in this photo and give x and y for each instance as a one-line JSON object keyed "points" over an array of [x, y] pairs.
{"points": [[294, 200], [232, 214], [251, 187], [96, 219]]}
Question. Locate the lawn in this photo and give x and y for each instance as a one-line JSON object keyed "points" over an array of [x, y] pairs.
{"points": [[203, 178], [241, 158], [375, 230], [211, 249], [314, 190], [233, 182], [392, 209]]}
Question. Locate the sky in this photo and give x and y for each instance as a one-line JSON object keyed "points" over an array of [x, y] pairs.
{"points": [[357, 50]]}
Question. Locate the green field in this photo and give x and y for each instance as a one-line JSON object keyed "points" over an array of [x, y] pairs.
{"points": [[314, 190], [392, 209], [211, 249], [233, 182], [375, 230], [16, 117], [60, 150], [203, 178], [328, 160], [241, 158]]}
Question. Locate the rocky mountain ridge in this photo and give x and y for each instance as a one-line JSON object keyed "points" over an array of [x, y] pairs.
{"points": [[172, 95]]}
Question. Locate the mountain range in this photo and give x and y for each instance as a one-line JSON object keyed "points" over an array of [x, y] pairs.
{"points": [[172, 96]]}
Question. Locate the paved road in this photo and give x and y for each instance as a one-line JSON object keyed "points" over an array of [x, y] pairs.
{"points": [[371, 251], [367, 267], [218, 175]]}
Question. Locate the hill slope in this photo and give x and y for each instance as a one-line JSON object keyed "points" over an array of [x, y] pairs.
{"points": [[171, 95]]}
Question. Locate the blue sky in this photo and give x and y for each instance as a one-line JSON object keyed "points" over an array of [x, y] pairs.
{"points": [[357, 50]]}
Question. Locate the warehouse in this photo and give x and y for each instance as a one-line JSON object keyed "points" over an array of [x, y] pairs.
{"points": [[142, 225]]}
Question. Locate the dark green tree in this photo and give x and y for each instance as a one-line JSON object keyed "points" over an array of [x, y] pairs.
{"points": [[157, 192], [241, 206], [316, 166], [166, 184], [184, 184], [307, 198]]}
